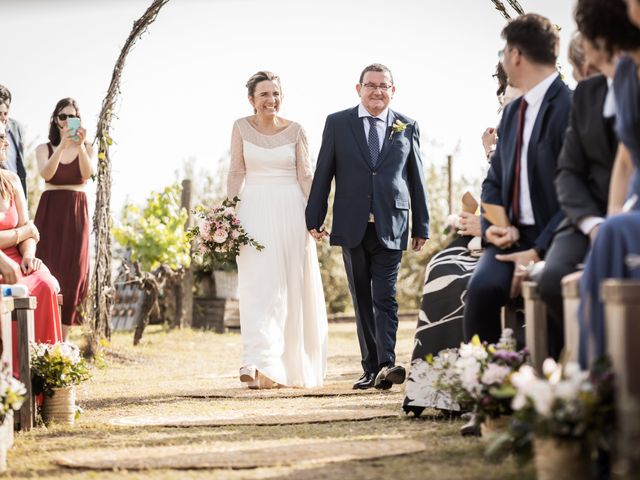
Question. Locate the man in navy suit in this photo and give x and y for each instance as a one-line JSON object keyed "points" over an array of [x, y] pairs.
{"points": [[521, 177], [15, 151], [374, 155]]}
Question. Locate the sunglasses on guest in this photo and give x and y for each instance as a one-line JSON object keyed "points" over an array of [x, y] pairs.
{"points": [[63, 116]]}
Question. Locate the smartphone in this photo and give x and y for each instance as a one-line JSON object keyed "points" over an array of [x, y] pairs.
{"points": [[73, 124]]}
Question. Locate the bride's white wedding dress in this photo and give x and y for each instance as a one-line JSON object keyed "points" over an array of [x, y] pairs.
{"points": [[282, 311]]}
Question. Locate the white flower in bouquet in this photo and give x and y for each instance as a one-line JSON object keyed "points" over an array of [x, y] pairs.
{"points": [[12, 392], [235, 234], [220, 236], [495, 374], [475, 351], [228, 211]]}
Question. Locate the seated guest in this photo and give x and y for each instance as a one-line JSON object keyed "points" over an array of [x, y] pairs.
{"points": [[520, 179], [62, 216], [580, 65], [586, 160], [15, 150], [443, 295], [616, 250], [18, 239]]}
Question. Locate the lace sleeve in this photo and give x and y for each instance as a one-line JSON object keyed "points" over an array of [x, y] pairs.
{"points": [[235, 177], [304, 169]]}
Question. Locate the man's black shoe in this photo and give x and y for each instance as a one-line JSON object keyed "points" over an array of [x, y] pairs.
{"points": [[365, 381], [388, 376]]}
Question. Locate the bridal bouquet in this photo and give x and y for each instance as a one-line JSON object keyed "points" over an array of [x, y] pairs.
{"points": [[12, 393], [219, 236], [482, 375], [57, 366]]}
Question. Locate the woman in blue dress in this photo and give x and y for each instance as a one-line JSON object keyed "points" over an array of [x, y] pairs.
{"points": [[616, 250]]}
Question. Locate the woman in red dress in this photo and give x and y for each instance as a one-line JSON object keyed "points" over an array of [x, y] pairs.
{"points": [[18, 262], [62, 216]]}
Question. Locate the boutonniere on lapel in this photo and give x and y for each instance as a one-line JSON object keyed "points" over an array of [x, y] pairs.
{"points": [[397, 127]]}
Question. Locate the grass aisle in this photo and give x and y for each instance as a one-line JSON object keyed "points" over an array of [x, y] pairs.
{"points": [[156, 378]]}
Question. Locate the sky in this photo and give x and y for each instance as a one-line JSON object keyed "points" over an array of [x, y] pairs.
{"points": [[184, 83]]}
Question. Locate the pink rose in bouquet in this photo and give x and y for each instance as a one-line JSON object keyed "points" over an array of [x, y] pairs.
{"points": [[219, 235]]}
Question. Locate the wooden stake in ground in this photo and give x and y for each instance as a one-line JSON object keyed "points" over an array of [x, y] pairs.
{"points": [[99, 307]]}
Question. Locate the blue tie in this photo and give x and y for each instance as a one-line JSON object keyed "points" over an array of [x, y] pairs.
{"points": [[373, 141]]}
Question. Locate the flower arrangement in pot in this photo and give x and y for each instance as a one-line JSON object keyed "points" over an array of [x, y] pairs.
{"points": [[482, 379], [12, 395], [219, 235], [570, 414], [56, 370]]}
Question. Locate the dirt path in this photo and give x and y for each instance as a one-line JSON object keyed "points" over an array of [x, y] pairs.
{"points": [[186, 374]]}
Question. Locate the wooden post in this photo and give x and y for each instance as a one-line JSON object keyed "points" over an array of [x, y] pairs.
{"points": [[23, 315], [570, 303], [184, 290], [6, 307], [450, 182], [622, 321], [535, 313]]}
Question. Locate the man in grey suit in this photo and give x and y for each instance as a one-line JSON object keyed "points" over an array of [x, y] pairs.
{"points": [[15, 152], [374, 155]]}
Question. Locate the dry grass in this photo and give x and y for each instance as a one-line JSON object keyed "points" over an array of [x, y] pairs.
{"points": [[157, 377]]}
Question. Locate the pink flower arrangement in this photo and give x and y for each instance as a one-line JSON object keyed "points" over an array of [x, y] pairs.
{"points": [[219, 235]]}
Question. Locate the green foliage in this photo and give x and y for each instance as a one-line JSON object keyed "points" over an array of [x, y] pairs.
{"points": [[57, 366], [156, 234]]}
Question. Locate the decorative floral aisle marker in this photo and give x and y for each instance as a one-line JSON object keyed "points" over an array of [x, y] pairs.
{"points": [[481, 379], [219, 236], [570, 413], [56, 370], [12, 393]]}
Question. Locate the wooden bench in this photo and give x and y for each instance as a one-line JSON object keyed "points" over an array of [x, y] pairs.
{"points": [[622, 321], [536, 331], [6, 356]]}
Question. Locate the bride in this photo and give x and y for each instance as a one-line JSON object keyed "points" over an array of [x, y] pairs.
{"points": [[282, 312]]}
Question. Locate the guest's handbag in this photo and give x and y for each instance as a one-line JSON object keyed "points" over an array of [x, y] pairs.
{"points": [[496, 215]]}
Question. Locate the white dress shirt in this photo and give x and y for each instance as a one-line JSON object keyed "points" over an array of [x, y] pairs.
{"points": [[588, 223], [12, 154], [534, 99], [380, 126]]}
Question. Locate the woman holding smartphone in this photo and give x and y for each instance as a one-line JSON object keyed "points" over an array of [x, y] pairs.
{"points": [[62, 216]]}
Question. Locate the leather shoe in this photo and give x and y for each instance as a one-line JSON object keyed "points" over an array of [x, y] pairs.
{"points": [[365, 381], [388, 376], [471, 428]]}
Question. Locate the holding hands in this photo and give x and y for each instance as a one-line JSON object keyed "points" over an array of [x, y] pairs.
{"points": [[318, 235]]}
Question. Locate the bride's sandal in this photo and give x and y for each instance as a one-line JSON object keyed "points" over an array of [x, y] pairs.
{"points": [[248, 374], [265, 382]]}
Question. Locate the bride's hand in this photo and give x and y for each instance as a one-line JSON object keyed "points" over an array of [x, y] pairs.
{"points": [[318, 235]]}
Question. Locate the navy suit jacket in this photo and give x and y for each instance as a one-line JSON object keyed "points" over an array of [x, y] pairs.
{"points": [[390, 190], [542, 156], [15, 137]]}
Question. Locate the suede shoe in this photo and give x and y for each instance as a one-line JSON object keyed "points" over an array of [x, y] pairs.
{"points": [[388, 376]]}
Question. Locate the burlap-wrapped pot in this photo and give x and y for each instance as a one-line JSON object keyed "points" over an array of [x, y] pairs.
{"points": [[61, 407], [561, 459]]}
